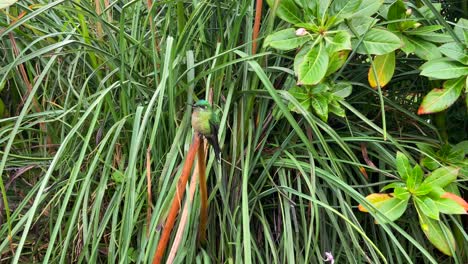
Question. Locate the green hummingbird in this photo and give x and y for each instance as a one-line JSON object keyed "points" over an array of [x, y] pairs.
{"points": [[206, 122]]}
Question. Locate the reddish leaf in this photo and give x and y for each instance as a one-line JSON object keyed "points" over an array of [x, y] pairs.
{"points": [[456, 198]]}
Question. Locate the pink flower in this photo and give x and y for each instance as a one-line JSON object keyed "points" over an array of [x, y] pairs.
{"points": [[301, 32], [329, 257]]}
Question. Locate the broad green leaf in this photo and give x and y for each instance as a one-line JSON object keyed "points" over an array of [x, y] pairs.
{"points": [[455, 198], [368, 8], [422, 189], [403, 166], [440, 99], [375, 199], [461, 29], [454, 51], [415, 178], [340, 40], [287, 10], [342, 89], [337, 60], [436, 37], [424, 49], [423, 30], [320, 105], [436, 231], [344, 8], [396, 11], [285, 39], [392, 208], [463, 146], [335, 108], [401, 193], [443, 69], [426, 148], [7, 3], [449, 206], [408, 47], [300, 57], [427, 207], [430, 163], [360, 25], [442, 176], [322, 8], [378, 42], [427, 13], [393, 185], [384, 67], [313, 68]]}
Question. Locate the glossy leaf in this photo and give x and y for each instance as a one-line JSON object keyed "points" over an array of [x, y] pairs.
{"points": [[378, 42], [423, 30], [342, 89], [396, 11], [449, 206], [424, 49], [287, 10], [393, 185], [360, 24], [337, 60], [335, 108], [443, 69], [384, 67], [403, 166], [344, 8], [341, 40], [436, 231], [300, 57], [375, 199], [313, 68], [456, 198], [320, 105], [415, 178], [427, 206], [401, 193], [455, 51], [461, 29], [392, 208], [440, 99], [442, 177], [368, 8], [286, 39], [408, 46]]}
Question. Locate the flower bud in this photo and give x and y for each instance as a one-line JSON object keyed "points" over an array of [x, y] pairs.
{"points": [[409, 11], [301, 32]]}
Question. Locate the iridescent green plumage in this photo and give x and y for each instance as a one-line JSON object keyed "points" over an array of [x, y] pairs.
{"points": [[206, 122]]}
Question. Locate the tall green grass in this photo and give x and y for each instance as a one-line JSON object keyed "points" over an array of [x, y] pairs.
{"points": [[73, 147]]}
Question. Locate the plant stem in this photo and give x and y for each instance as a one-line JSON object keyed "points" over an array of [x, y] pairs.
{"points": [[203, 196], [176, 201]]}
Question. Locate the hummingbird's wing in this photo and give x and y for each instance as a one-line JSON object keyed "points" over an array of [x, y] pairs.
{"points": [[213, 139]]}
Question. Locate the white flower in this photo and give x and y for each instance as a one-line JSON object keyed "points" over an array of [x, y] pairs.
{"points": [[301, 32]]}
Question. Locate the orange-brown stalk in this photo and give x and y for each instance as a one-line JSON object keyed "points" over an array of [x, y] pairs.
{"points": [[256, 29], [176, 201], [203, 196]]}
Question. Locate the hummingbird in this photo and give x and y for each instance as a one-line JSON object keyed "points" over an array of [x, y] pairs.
{"points": [[206, 122]]}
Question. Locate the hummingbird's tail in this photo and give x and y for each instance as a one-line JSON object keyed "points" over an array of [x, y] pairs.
{"points": [[213, 140]]}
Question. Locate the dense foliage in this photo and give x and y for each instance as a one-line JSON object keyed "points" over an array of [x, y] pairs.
{"points": [[342, 108]]}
